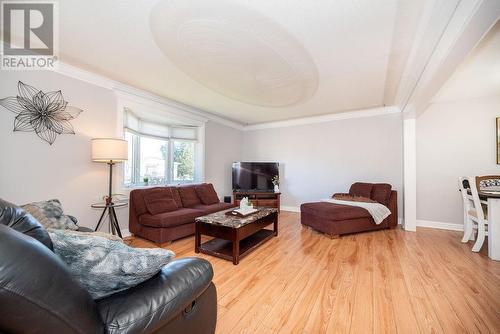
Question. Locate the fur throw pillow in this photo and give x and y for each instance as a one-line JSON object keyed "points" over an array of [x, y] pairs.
{"points": [[50, 214], [95, 234], [105, 267]]}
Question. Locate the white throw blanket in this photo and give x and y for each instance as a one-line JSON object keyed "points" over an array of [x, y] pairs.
{"points": [[378, 211]]}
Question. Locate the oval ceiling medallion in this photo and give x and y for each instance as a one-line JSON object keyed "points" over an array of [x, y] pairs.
{"points": [[235, 51]]}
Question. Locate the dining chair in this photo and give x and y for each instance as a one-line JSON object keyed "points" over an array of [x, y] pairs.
{"points": [[488, 183], [478, 214], [468, 205]]}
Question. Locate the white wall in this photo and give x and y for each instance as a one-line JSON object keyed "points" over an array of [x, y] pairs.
{"points": [[223, 146], [316, 159], [320, 159], [453, 139], [32, 170]]}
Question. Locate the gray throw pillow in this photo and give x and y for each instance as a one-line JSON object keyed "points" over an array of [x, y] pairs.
{"points": [[105, 267], [50, 214]]}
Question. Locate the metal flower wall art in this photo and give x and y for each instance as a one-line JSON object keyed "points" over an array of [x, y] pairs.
{"points": [[47, 114]]}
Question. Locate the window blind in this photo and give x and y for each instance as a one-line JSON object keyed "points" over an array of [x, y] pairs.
{"points": [[152, 128]]}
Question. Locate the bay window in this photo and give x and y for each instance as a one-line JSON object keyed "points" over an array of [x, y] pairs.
{"points": [[159, 153]]}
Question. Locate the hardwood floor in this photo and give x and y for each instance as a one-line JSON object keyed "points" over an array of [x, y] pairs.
{"points": [[377, 282]]}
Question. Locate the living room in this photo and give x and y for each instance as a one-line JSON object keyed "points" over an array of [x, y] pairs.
{"points": [[367, 131]]}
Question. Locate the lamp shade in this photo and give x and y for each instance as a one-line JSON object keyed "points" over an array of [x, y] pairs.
{"points": [[109, 150]]}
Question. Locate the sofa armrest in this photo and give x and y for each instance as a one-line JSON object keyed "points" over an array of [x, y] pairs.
{"points": [[152, 304], [393, 206]]}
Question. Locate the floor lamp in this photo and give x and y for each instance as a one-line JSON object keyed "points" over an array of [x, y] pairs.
{"points": [[110, 151]]}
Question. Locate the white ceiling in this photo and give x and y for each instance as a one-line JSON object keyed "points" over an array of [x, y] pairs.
{"points": [[250, 61], [479, 74]]}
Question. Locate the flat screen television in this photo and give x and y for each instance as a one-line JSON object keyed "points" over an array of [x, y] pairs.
{"points": [[254, 176]]}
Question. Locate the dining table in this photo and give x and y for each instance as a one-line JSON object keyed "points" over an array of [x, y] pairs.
{"points": [[493, 200]]}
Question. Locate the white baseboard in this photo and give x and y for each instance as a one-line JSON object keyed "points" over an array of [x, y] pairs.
{"points": [[440, 225], [126, 233], [290, 208], [420, 223]]}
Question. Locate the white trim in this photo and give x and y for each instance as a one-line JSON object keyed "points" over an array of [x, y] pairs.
{"points": [[325, 118], [126, 232], [151, 106], [134, 95], [409, 174], [449, 30], [139, 95], [290, 208], [440, 225], [434, 21], [83, 75]]}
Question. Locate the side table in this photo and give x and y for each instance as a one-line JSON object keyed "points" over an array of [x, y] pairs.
{"points": [[113, 220]]}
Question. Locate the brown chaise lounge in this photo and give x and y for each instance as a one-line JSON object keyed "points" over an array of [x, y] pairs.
{"points": [[336, 219], [163, 214]]}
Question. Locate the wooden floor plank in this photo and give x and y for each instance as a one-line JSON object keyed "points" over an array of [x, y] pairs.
{"points": [[383, 312], [380, 282], [362, 316]]}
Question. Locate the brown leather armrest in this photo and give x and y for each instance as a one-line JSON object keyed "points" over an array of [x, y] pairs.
{"points": [[393, 206]]}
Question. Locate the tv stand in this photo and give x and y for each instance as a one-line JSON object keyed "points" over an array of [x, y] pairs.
{"points": [[258, 198]]}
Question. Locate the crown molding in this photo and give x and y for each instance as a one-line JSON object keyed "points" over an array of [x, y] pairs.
{"points": [[128, 92], [435, 18], [83, 75], [449, 30], [325, 118], [136, 95]]}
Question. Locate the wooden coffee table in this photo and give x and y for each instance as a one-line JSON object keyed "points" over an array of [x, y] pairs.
{"points": [[234, 237]]}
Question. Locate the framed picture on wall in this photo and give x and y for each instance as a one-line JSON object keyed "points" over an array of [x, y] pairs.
{"points": [[498, 140]]}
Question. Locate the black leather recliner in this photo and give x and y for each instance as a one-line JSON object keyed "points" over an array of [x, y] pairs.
{"points": [[39, 295]]}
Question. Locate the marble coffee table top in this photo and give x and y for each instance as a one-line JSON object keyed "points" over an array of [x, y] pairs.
{"points": [[220, 218]]}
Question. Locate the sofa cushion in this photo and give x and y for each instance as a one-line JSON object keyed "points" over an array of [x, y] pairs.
{"points": [[330, 211], [159, 200], [169, 219], [213, 207], [137, 198], [188, 196], [176, 196], [361, 189], [381, 192], [207, 194]]}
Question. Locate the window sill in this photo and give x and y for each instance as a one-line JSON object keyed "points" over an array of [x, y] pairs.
{"points": [[146, 186]]}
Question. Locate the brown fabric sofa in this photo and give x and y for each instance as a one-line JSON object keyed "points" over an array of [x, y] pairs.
{"points": [[163, 214], [336, 219]]}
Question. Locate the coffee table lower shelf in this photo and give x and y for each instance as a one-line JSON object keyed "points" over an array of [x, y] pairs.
{"points": [[224, 248]]}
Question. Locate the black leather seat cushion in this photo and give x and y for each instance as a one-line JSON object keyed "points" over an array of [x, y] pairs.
{"points": [[38, 293], [21, 221], [152, 304]]}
